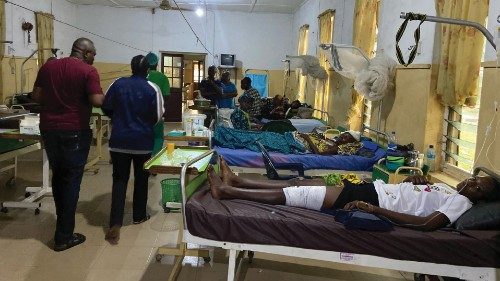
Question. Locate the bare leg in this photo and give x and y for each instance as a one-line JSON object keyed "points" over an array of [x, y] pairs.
{"points": [[229, 178], [272, 196], [221, 190]]}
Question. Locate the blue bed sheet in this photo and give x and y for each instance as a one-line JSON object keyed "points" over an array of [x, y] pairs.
{"points": [[251, 159]]}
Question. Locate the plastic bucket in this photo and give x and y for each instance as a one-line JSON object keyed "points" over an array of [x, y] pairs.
{"points": [[171, 191], [192, 121]]}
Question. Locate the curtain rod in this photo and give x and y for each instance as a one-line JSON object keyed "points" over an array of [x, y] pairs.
{"points": [[476, 25]]}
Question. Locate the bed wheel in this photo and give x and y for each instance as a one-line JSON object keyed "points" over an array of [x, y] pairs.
{"points": [[37, 212], [27, 194], [4, 210], [207, 259], [96, 171], [11, 182], [166, 210], [250, 256], [159, 257]]}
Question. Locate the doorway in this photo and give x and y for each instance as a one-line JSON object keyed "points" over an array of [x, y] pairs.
{"points": [[182, 70]]}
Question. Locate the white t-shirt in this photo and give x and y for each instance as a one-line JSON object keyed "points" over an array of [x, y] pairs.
{"points": [[422, 200]]}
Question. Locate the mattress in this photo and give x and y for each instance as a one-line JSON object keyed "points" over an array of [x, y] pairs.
{"points": [[303, 125], [252, 159], [241, 221]]}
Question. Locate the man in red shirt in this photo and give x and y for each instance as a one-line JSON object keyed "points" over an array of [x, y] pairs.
{"points": [[67, 89]]}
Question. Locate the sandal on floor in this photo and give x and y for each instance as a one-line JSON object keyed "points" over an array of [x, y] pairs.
{"points": [[77, 239], [148, 216]]}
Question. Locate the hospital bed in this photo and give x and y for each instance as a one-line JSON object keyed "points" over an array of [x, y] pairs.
{"points": [[296, 232], [33, 194], [302, 125], [247, 161]]}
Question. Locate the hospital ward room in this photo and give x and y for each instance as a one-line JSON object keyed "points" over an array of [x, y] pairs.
{"points": [[241, 140]]}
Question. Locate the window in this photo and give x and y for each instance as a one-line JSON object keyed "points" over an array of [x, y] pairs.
{"points": [[302, 50], [368, 105], [460, 135], [198, 71], [321, 99]]}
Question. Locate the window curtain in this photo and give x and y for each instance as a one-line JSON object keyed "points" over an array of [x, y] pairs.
{"points": [[302, 50], [322, 93], [45, 36], [460, 52], [364, 37]]}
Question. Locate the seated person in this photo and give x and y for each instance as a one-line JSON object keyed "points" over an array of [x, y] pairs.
{"points": [[415, 203], [239, 117], [278, 110], [293, 111], [255, 111], [229, 91]]}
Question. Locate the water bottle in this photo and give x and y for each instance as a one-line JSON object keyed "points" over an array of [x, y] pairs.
{"points": [[392, 141], [431, 158]]}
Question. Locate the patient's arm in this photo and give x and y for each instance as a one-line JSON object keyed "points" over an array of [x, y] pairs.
{"points": [[429, 223], [418, 180]]}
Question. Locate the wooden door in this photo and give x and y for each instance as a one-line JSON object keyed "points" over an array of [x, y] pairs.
{"points": [[172, 66]]}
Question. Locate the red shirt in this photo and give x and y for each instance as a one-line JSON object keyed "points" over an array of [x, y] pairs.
{"points": [[66, 86]]}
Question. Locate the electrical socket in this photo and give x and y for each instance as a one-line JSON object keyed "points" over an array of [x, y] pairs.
{"points": [[496, 105]]}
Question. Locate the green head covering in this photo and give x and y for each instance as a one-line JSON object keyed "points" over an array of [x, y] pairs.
{"points": [[152, 59]]}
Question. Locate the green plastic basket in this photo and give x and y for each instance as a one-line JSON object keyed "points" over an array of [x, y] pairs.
{"points": [[171, 191]]}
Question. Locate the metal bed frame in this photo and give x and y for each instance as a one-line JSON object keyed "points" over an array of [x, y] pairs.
{"points": [[237, 251]]}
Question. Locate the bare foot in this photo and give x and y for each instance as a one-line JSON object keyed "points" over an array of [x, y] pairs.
{"points": [[113, 235], [216, 184], [228, 177]]}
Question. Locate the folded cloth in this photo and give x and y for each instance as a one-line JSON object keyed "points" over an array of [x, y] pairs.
{"points": [[357, 219], [273, 142]]}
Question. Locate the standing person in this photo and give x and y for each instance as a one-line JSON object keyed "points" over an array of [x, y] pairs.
{"points": [[255, 111], [162, 82], [229, 91], [211, 88], [134, 105], [67, 89]]}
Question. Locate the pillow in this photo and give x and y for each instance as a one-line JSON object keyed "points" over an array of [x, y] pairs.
{"points": [[319, 145], [362, 221], [482, 216]]}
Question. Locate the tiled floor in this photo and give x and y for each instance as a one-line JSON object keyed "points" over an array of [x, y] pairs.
{"points": [[25, 240]]}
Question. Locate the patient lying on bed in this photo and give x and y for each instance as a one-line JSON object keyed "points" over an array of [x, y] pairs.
{"points": [[415, 203]]}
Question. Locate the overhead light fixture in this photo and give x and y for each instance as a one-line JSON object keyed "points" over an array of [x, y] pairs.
{"points": [[199, 12]]}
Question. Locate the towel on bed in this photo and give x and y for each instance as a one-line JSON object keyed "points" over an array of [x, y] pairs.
{"points": [[273, 142]]}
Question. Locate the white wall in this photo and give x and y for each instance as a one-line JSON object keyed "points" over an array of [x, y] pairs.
{"points": [[389, 23], [15, 16], [258, 40], [493, 27], [308, 14]]}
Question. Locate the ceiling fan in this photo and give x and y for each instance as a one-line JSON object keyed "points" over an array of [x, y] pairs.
{"points": [[166, 6]]}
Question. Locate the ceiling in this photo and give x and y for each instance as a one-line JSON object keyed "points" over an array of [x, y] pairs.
{"points": [[257, 6]]}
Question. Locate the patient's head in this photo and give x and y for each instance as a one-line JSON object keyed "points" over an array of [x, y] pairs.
{"points": [[480, 189], [278, 100], [295, 104], [246, 83], [212, 70], [226, 77], [246, 102]]}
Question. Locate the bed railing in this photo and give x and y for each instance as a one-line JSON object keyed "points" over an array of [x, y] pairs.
{"points": [[377, 132], [184, 182]]}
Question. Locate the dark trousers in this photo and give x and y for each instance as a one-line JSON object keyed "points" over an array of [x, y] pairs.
{"points": [[121, 173], [67, 152]]}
